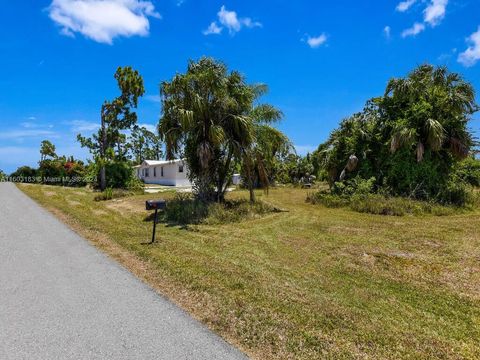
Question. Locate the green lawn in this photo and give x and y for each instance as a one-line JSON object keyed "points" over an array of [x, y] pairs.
{"points": [[309, 283]]}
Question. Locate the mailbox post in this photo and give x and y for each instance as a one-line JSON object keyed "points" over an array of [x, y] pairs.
{"points": [[155, 205]]}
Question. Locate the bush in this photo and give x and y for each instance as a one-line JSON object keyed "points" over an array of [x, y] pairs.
{"points": [[110, 194], [184, 209], [136, 185], [468, 171], [354, 186], [396, 206], [381, 205], [235, 211], [327, 199], [456, 193], [24, 174], [120, 175]]}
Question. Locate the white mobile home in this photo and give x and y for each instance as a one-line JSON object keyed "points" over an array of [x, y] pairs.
{"points": [[171, 173]]}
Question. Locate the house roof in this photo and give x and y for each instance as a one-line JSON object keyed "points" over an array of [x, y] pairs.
{"points": [[160, 162]]}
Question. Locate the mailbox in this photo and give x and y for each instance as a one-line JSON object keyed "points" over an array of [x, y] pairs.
{"points": [[155, 205]]}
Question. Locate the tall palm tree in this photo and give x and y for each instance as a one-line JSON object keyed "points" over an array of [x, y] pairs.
{"points": [[258, 156], [205, 119], [429, 110], [211, 118]]}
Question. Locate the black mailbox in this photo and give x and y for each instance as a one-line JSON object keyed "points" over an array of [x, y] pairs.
{"points": [[155, 205]]}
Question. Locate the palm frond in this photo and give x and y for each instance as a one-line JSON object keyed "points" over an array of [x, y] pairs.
{"points": [[435, 134], [459, 148], [266, 113]]}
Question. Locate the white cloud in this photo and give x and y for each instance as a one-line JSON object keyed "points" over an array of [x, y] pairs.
{"points": [[387, 31], [213, 29], [435, 12], [231, 21], [103, 20], [315, 42], [21, 134], [405, 5], [416, 29], [470, 56], [28, 124], [83, 126], [433, 15]]}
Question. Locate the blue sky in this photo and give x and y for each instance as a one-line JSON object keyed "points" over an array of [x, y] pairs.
{"points": [[321, 59]]}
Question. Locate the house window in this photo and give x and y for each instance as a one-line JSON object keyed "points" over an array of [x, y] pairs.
{"points": [[154, 172], [180, 168], [146, 173], [161, 171]]}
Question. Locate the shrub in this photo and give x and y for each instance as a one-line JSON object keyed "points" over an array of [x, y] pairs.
{"points": [[327, 199], [24, 174], [381, 205], [357, 185], [235, 211], [396, 206], [120, 175], [110, 194], [184, 209], [468, 171], [135, 185], [456, 193]]}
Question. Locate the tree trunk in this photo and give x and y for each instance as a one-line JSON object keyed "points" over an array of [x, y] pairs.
{"points": [[103, 178], [223, 177], [248, 167], [252, 192], [103, 175]]}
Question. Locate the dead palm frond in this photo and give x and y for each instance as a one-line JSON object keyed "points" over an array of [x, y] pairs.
{"points": [[459, 148], [420, 151]]}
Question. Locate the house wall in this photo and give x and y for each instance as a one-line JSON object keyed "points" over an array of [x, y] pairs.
{"points": [[171, 175]]}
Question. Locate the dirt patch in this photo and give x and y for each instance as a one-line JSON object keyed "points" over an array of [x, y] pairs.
{"points": [[74, 203], [126, 206], [99, 212], [49, 193]]}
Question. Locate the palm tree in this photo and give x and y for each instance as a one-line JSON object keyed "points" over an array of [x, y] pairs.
{"points": [[258, 156], [206, 120], [430, 110], [47, 149]]}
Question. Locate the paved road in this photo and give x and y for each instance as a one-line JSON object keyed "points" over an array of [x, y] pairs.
{"points": [[60, 298]]}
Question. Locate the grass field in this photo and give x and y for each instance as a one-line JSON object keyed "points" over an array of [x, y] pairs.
{"points": [[309, 283]]}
